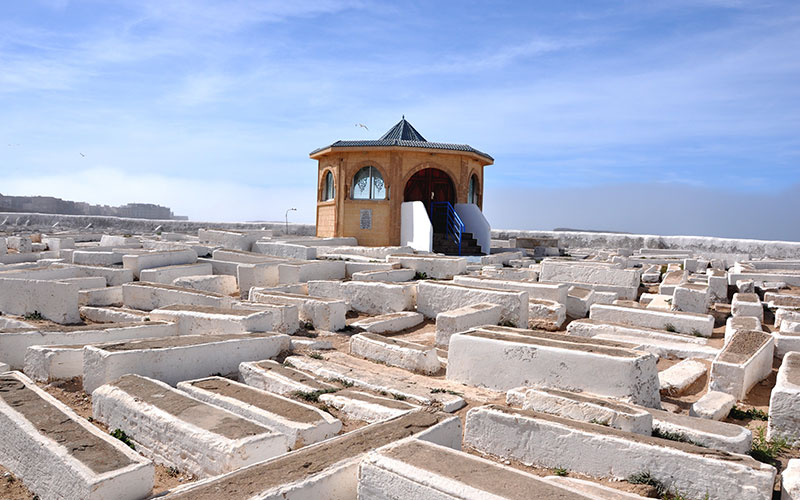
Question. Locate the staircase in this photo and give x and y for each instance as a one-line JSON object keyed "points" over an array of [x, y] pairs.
{"points": [[443, 243]]}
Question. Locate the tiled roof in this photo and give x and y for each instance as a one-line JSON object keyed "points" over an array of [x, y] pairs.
{"points": [[403, 131], [403, 135]]}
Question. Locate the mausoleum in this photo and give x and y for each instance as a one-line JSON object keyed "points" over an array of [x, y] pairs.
{"points": [[402, 189]]}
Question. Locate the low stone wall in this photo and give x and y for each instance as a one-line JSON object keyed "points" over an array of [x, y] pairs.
{"points": [[706, 244], [44, 222]]}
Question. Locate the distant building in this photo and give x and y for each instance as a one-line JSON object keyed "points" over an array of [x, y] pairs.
{"points": [[403, 190], [51, 205]]}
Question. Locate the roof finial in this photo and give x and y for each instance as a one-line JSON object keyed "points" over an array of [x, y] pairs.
{"points": [[404, 117]]}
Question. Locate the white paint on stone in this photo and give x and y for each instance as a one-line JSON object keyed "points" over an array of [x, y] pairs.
{"points": [[395, 352], [540, 359], [679, 322], [51, 469], [742, 363], [597, 451], [714, 405]]}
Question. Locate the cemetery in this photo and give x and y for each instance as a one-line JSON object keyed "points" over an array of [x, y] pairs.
{"points": [[383, 355]]}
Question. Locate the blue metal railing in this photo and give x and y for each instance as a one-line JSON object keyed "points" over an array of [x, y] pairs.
{"points": [[454, 226]]}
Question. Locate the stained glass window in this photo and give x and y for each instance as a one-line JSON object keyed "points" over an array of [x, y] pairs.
{"points": [[368, 185]]}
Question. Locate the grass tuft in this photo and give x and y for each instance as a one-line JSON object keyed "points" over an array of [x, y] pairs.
{"points": [[312, 396], [751, 413], [670, 328], [767, 450], [34, 316], [120, 434], [645, 478]]}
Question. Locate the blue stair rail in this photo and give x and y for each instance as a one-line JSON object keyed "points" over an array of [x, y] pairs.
{"points": [[454, 228]]}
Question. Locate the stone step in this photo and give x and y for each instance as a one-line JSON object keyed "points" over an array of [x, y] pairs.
{"points": [[388, 380], [301, 423], [598, 451], [58, 454], [177, 430], [175, 359], [328, 469]]}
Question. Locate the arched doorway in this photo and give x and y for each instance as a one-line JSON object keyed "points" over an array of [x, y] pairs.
{"points": [[431, 185]]}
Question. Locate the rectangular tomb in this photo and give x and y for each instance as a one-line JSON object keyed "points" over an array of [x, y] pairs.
{"points": [[178, 358], [300, 423], [417, 469], [14, 343], [679, 322], [742, 363], [58, 454], [598, 451], [434, 297], [552, 360], [328, 469], [176, 430]]}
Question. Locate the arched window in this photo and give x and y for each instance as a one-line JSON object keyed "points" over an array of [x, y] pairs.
{"points": [[368, 185], [472, 196], [328, 189]]}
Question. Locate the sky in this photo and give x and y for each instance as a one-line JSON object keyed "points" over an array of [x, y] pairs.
{"points": [[662, 117]]}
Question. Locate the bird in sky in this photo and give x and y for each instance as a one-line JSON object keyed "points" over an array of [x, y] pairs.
{"points": [[361, 125], [83, 155]]}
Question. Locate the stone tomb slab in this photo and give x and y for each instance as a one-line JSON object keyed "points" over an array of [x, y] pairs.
{"points": [[417, 469], [176, 359], [784, 419], [328, 469], [464, 318], [394, 352], [389, 323], [198, 320], [14, 343], [281, 379], [673, 321], [389, 380], [540, 359], [300, 423], [367, 407], [742, 363], [177, 430], [598, 451], [60, 455], [583, 407], [709, 433]]}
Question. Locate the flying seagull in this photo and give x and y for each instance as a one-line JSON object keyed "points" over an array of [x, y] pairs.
{"points": [[361, 125]]}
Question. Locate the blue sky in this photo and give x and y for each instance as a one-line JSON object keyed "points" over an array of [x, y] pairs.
{"points": [[667, 117]]}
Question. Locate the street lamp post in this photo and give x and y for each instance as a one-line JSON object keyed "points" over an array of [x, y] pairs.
{"points": [[287, 219]]}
